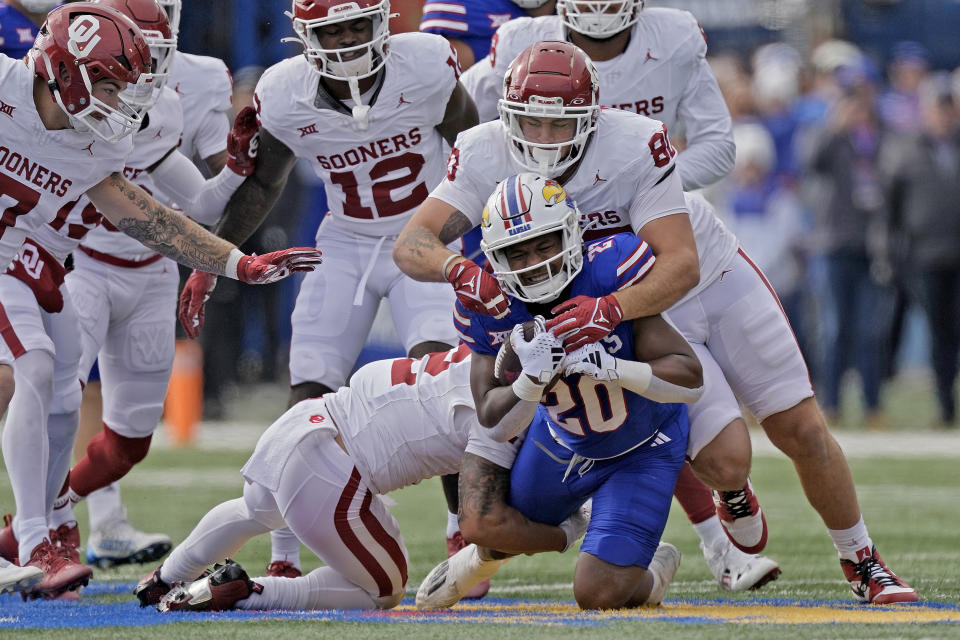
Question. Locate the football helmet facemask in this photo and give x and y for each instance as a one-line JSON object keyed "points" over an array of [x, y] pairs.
{"points": [[550, 79], [525, 207], [91, 42], [599, 19], [173, 9], [39, 6], [155, 26], [530, 4]]}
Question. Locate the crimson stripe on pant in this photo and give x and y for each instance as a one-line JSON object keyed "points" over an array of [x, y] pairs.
{"points": [[9, 335], [342, 524], [383, 538]]}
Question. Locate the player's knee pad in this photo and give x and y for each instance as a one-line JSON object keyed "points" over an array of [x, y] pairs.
{"points": [[261, 506], [134, 407]]}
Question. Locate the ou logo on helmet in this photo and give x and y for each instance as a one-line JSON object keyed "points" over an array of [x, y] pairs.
{"points": [[83, 35]]}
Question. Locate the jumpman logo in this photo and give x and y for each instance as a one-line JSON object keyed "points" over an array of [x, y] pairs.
{"points": [[649, 57], [724, 272], [402, 101], [89, 148], [598, 179], [158, 134]]}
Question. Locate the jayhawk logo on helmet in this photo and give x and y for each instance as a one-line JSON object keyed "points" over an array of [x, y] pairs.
{"points": [[485, 218], [553, 193]]}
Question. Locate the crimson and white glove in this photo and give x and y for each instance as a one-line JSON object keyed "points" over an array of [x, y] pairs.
{"points": [[196, 291], [541, 357], [583, 320], [478, 290], [243, 142], [277, 265], [575, 526], [592, 360]]}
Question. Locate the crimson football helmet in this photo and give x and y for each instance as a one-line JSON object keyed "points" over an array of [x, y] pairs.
{"points": [[92, 42], [550, 79], [155, 26], [522, 208], [339, 64], [599, 19]]}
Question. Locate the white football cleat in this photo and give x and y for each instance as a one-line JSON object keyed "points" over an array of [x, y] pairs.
{"points": [[119, 542], [664, 564], [453, 578], [14, 578], [739, 571]]}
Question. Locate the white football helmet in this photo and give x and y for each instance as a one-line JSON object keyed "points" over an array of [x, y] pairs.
{"points": [[530, 4], [599, 19], [336, 64], [550, 79], [39, 6], [522, 208]]}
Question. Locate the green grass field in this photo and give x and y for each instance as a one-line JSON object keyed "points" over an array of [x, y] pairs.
{"points": [[910, 504]]}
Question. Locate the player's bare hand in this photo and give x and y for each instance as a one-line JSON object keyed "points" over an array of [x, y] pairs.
{"points": [[271, 267], [196, 291], [582, 320], [478, 290]]}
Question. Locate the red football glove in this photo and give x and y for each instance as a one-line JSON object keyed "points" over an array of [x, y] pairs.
{"points": [[271, 267], [583, 320], [478, 290], [196, 291], [243, 142]]}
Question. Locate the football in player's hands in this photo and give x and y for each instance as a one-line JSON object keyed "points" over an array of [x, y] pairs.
{"points": [[507, 367]]}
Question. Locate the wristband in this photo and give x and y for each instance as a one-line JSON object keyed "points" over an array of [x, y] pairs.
{"points": [[527, 389], [233, 260], [446, 263]]}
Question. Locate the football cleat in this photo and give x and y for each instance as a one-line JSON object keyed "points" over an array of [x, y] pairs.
{"points": [[871, 581], [120, 543], [451, 580], [59, 572], [739, 571], [283, 569], [9, 547], [218, 591], [742, 518], [454, 544], [151, 588], [67, 537], [665, 562], [14, 578]]}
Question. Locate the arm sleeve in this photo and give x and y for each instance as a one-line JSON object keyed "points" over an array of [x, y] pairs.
{"points": [[703, 113], [202, 200]]}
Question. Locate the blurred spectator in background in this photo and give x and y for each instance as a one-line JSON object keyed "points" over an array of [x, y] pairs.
{"points": [[921, 243], [899, 105], [854, 308]]}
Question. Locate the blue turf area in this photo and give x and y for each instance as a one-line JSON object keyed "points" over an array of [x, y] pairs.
{"points": [[16, 614]]}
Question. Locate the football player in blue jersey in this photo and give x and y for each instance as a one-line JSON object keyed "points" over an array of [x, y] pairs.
{"points": [[20, 21], [470, 25], [608, 419]]}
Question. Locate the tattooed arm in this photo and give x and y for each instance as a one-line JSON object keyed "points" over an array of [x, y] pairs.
{"points": [[254, 199], [487, 520], [420, 250], [136, 213]]}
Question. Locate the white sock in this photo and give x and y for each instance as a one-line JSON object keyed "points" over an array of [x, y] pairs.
{"points": [[849, 541], [63, 515], [322, 588], [285, 547], [26, 448], [711, 532], [104, 506], [218, 535], [61, 432], [453, 524]]}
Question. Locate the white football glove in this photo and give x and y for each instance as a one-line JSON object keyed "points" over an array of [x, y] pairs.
{"points": [[575, 526], [541, 357], [594, 361]]}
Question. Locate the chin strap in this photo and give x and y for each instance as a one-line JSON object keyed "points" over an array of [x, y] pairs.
{"points": [[360, 111]]}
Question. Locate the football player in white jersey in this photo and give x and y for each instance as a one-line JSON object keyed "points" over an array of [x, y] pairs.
{"points": [[371, 117], [69, 137], [552, 125], [125, 295], [321, 468], [649, 61]]}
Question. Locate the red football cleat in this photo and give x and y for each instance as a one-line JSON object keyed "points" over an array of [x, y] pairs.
{"points": [[59, 572], [742, 518], [283, 569], [9, 547], [871, 581]]}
